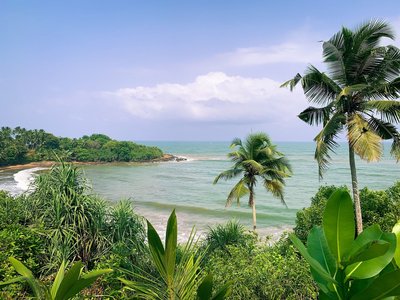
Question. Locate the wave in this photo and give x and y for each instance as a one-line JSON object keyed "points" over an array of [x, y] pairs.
{"points": [[202, 158], [25, 178]]}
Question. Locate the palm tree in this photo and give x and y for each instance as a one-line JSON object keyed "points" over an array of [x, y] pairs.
{"points": [[357, 95], [253, 159]]}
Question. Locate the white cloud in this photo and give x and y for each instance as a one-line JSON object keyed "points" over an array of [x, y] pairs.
{"points": [[214, 97], [288, 52]]}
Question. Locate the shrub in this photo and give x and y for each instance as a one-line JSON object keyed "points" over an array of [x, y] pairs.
{"points": [[26, 244], [262, 273], [230, 233], [378, 207]]}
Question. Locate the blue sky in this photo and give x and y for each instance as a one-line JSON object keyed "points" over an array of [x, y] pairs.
{"points": [[166, 70]]}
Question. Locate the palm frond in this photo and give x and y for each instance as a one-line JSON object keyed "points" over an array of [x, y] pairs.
{"points": [[369, 34], [364, 140], [315, 115], [326, 142], [292, 82], [388, 109], [318, 87], [276, 189], [239, 190], [228, 174], [236, 142], [384, 129]]}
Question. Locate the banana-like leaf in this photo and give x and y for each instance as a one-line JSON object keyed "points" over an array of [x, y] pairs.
{"points": [[377, 262], [396, 231], [313, 263], [338, 224], [318, 248], [384, 286]]}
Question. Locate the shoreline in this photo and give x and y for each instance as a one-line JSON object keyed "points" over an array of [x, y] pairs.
{"points": [[49, 164]]}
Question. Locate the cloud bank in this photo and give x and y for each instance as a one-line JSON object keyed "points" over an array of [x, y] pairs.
{"points": [[213, 97]]}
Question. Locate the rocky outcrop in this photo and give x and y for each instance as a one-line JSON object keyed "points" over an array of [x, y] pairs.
{"points": [[169, 157]]}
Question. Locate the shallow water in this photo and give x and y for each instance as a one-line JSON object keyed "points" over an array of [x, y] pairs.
{"points": [[157, 188]]}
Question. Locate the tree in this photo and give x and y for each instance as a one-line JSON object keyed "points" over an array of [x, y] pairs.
{"points": [[253, 159], [357, 95]]}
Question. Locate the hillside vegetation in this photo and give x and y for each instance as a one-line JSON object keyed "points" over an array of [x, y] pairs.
{"points": [[20, 145]]}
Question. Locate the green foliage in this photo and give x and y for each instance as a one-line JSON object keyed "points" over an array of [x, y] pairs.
{"points": [[176, 280], [74, 220], [378, 207], [14, 210], [359, 71], [348, 268], [262, 272], [231, 233], [28, 245], [253, 159], [66, 285], [20, 146]]}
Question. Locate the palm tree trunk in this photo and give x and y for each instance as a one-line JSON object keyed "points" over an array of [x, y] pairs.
{"points": [[356, 194], [253, 206]]}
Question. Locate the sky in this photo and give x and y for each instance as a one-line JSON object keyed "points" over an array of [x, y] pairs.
{"points": [[167, 70]]}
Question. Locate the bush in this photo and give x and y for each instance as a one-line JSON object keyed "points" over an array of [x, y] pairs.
{"points": [[230, 233], [378, 207], [262, 273], [26, 244]]}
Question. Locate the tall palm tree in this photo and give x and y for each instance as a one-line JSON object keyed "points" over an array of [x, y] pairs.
{"points": [[357, 95], [253, 159]]}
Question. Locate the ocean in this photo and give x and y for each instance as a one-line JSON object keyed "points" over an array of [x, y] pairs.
{"points": [[158, 188]]}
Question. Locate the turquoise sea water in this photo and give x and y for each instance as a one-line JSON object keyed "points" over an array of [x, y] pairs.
{"points": [[157, 188]]}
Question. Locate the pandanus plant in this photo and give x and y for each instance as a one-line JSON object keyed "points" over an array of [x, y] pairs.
{"points": [[177, 280]]}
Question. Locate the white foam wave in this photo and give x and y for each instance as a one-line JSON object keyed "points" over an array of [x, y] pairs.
{"points": [[202, 158], [25, 178]]}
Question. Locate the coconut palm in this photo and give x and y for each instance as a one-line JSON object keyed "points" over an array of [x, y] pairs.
{"points": [[253, 159], [357, 96]]}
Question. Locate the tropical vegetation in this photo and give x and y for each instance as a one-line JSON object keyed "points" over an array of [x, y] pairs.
{"points": [[255, 158], [346, 268], [20, 145], [357, 95]]}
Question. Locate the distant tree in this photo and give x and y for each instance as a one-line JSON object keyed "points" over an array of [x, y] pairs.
{"points": [[253, 159], [357, 95]]}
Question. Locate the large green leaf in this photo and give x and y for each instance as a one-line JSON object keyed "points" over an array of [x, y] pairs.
{"points": [[204, 291], [70, 279], [338, 224], [396, 231], [170, 246], [57, 281], [386, 285], [371, 267], [318, 248], [362, 242], [314, 264], [85, 281], [223, 293], [156, 250], [27, 276]]}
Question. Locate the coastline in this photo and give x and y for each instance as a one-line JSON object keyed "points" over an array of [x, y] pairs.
{"points": [[49, 164]]}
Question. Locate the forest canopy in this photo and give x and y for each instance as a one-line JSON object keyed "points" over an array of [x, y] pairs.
{"points": [[20, 145]]}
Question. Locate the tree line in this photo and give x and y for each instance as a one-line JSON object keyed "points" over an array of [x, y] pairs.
{"points": [[20, 145]]}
